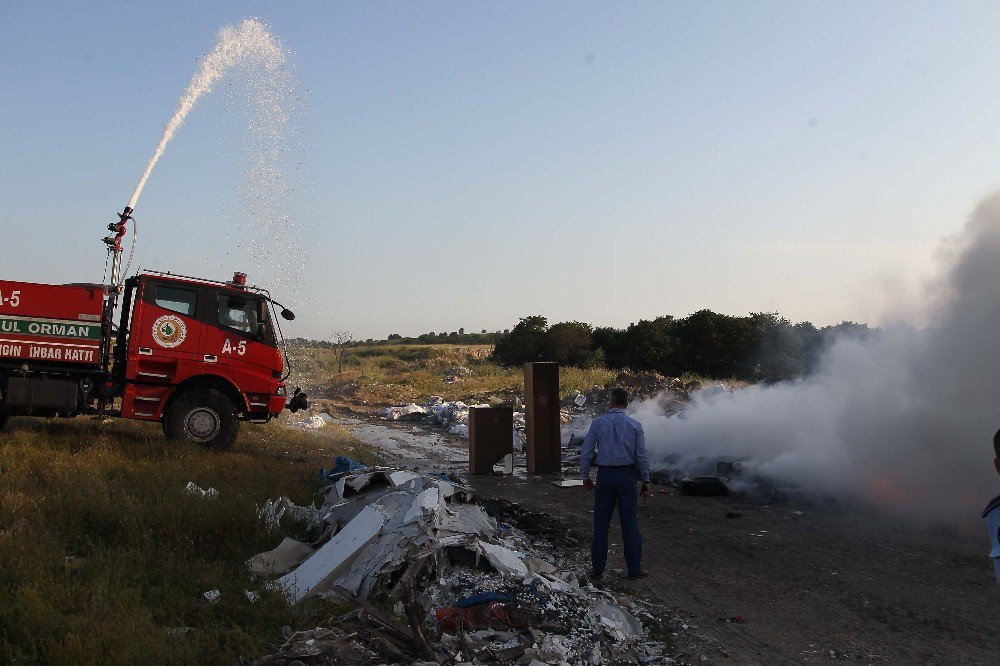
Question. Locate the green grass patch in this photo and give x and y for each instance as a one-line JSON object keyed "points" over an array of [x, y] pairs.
{"points": [[110, 493]]}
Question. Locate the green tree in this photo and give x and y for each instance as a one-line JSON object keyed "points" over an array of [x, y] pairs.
{"points": [[778, 350], [524, 343], [569, 343]]}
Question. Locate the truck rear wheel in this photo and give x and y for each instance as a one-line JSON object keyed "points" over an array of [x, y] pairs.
{"points": [[202, 416]]}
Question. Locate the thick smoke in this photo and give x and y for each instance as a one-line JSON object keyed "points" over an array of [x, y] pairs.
{"points": [[903, 420]]}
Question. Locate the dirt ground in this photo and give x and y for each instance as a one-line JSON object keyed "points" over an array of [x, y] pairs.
{"points": [[832, 584], [812, 583]]}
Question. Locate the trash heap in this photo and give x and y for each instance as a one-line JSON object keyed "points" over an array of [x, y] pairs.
{"points": [[457, 373], [313, 422], [453, 416], [429, 575]]}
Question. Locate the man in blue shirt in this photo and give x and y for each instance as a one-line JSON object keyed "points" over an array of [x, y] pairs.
{"points": [[616, 444], [992, 514]]}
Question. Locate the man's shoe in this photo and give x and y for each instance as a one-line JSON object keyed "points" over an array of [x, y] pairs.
{"points": [[641, 574], [596, 574]]}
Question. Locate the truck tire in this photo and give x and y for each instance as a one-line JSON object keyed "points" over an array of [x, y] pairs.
{"points": [[168, 432], [202, 416]]}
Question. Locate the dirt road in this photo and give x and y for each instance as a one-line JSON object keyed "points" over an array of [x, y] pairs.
{"points": [[814, 583]]}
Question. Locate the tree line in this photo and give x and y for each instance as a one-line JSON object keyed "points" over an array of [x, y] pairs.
{"points": [[757, 347]]}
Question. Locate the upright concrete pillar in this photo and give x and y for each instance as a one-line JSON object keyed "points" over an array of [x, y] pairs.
{"points": [[491, 437], [541, 398]]}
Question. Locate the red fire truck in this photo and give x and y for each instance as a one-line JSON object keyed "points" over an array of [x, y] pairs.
{"points": [[197, 355]]}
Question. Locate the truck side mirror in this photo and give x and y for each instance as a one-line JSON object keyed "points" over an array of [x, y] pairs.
{"points": [[287, 314]]}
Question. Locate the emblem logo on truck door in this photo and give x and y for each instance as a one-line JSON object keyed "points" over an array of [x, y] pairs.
{"points": [[169, 331]]}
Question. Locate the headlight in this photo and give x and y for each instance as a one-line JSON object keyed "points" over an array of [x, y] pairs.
{"points": [[281, 391]]}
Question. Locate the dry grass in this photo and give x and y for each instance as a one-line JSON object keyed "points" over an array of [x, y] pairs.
{"points": [[382, 375], [111, 493]]}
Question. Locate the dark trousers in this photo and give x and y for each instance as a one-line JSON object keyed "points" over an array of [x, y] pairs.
{"points": [[616, 486]]}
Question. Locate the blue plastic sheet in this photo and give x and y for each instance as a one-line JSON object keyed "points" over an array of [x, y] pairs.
{"points": [[483, 598], [341, 465]]}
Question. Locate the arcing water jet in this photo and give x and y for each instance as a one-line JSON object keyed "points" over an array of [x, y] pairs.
{"points": [[247, 41]]}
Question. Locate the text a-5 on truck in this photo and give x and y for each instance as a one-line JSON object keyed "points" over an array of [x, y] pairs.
{"points": [[197, 355]]}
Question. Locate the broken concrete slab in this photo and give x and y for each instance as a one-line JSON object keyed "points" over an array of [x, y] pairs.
{"points": [[615, 620], [399, 477], [316, 573], [568, 483], [282, 559], [426, 504], [538, 566], [503, 559], [467, 519]]}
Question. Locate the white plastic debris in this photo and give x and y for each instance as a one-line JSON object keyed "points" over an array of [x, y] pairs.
{"points": [[460, 429], [211, 596], [274, 510], [192, 489], [312, 422], [404, 411]]}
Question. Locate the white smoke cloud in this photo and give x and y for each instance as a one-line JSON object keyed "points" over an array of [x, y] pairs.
{"points": [[904, 420]]}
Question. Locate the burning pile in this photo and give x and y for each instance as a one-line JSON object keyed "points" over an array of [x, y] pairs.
{"points": [[462, 583]]}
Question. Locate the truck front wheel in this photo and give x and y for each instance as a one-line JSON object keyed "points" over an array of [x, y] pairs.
{"points": [[202, 416]]}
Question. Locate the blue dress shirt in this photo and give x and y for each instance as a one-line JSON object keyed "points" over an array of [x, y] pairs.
{"points": [[619, 440]]}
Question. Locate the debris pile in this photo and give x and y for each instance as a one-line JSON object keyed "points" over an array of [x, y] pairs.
{"points": [[465, 581], [314, 422], [671, 391], [453, 416], [192, 489], [457, 373]]}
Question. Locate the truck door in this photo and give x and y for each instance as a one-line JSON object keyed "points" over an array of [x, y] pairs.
{"points": [[238, 331], [164, 346]]}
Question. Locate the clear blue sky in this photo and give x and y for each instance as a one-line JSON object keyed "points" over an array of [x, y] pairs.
{"points": [[470, 163]]}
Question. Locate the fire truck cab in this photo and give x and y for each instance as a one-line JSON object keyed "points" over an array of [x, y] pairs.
{"points": [[198, 355]]}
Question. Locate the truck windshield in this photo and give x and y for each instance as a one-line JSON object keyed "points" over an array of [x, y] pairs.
{"points": [[238, 313]]}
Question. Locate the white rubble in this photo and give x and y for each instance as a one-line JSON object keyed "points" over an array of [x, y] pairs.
{"points": [[192, 489], [403, 411], [335, 557], [615, 620], [288, 555], [380, 522], [274, 510], [452, 416]]}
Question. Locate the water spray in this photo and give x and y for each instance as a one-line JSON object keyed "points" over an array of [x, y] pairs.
{"points": [[247, 43]]}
